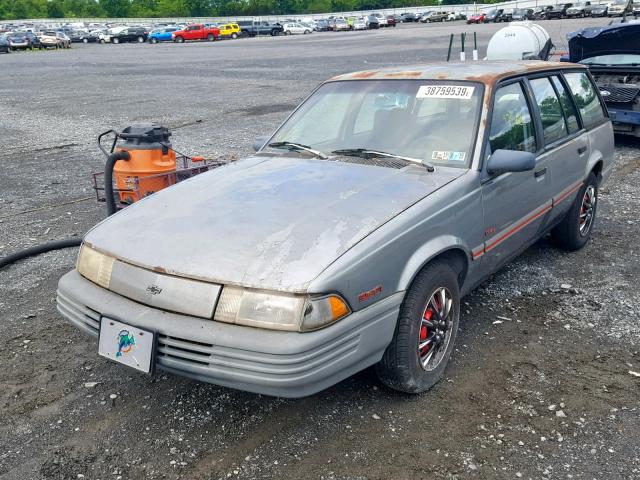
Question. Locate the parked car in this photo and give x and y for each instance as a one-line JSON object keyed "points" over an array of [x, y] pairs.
{"points": [[429, 17], [612, 54], [522, 14], [53, 39], [476, 18], [322, 25], [391, 20], [339, 25], [4, 44], [296, 29], [506, 15], [286, 304], [252, 28], [131, 34], [579, 10], [196, 31], [163, 34], [408, 17], [619, 8], [559, 11], [19, 41], [635, 8], [382, 20], [229, 30], [452, 16], [493, 16], [107, 37], [360, 24], [599, 10], [372, 22], [540, 13]]}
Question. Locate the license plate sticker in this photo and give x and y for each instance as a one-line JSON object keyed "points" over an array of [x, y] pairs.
{"points": [[445, 91], [125, 344]]}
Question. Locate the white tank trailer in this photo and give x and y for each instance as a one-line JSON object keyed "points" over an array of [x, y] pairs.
{"points": [[520, 41]]}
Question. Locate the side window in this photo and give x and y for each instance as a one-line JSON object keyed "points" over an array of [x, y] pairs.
{"points": [[553, 125], [511, 124], [586, 98], [567, 105]]}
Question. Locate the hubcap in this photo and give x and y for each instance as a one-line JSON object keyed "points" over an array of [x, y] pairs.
{"points": [[435, 329], [587, 209]]}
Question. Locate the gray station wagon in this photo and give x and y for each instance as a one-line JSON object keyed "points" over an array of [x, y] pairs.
{"points": [[349, 238]]}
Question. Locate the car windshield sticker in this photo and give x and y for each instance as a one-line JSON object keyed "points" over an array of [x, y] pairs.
{"points": [[445, 91], [445, 156]]}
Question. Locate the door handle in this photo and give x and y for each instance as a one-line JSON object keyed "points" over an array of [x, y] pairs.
{"points": [[581, 150], [541, 172]]}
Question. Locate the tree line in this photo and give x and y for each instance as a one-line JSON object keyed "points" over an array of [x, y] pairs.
{"points": [[21, 9]]}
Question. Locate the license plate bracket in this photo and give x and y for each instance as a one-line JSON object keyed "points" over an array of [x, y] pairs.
{"points": [[127, 345]]}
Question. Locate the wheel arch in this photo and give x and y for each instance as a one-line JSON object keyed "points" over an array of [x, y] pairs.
{"points": [[448, 248]]}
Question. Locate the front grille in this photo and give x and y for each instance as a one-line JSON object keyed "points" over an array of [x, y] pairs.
{"points": [[186, 350], [620, 93]]}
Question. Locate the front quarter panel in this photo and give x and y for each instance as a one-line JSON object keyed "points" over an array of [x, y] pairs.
{"points": [[387, 260]]}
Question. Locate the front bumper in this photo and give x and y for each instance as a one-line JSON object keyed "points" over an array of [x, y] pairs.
{"points": [[286, 364]]}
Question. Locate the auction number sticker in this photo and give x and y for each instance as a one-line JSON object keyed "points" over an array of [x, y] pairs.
{"points": [[445, 91]]}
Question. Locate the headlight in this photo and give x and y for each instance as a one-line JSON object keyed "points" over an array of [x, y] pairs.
{"points": [[278, 311], [95, 266]]}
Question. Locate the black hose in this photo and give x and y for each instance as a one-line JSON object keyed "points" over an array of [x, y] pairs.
{"points": [[73, 242], [42, 248], [108, 178]]}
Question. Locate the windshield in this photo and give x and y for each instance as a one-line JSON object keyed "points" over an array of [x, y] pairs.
{"points": [[410, 118], [614, 59]]}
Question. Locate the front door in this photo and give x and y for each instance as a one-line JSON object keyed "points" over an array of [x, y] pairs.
{"points": [[515, 204]]}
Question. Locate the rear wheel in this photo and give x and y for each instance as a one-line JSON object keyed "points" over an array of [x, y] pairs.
{"points": [[210, 37], [153, 40], [116, 40], [85, 40], [140, 39], [179, 40], [234, 35], [425, 333], [575, 229]]}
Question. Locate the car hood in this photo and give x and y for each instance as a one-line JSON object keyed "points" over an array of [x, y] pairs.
{"points": [[271, 223], [613, 39]]}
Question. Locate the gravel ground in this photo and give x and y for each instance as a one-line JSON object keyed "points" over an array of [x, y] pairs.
{"points": [[540, 386]]}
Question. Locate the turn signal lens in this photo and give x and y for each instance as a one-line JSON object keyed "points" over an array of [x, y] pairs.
{"points": [[324, 311], [95, 266]]}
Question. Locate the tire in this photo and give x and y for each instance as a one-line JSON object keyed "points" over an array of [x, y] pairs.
{"points": [[574, 231], [102, 41], [116, 40], [153, 40], [140, 39], [210, 37], [401, 367], [234, 35], [179, 40], [287, 32], [85, 40]]}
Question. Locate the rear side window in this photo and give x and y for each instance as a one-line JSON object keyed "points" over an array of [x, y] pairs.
{"points": [[568, 108], [586, 98], [553, 125], [511, 125]]}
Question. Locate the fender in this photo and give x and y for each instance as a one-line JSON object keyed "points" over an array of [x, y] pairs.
{"points": [[428, 252]]}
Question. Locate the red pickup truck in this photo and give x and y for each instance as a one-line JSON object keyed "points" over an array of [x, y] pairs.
{"points": [[196, 32]]}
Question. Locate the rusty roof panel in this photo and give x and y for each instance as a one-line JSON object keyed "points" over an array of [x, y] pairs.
{"points": [[487, 72]]}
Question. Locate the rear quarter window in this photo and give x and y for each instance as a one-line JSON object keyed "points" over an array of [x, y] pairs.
{"points": [[586, 98]]}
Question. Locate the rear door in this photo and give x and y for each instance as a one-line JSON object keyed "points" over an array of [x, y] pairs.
{"points": [[516, 204], [566, 144]]}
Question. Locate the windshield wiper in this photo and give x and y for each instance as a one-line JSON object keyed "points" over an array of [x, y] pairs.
{"points": [[366, 153], [298, 146]]}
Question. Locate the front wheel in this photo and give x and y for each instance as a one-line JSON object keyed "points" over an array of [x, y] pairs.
{"points": [[210, 37], [287, 32], [425, 333], [179, 40], [140, 39], [234, 35], [116, 40], [573, 232], [154, 40], [85, 40]]}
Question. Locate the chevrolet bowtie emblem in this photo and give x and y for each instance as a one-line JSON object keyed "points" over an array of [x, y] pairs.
{"points": [[154, 289]]}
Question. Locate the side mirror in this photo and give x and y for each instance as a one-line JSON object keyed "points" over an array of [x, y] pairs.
{"points": [[502, 161], [260, 141]]}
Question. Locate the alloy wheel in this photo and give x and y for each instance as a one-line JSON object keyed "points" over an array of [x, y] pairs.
{"points": [[587, 208], [435, 328]]}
